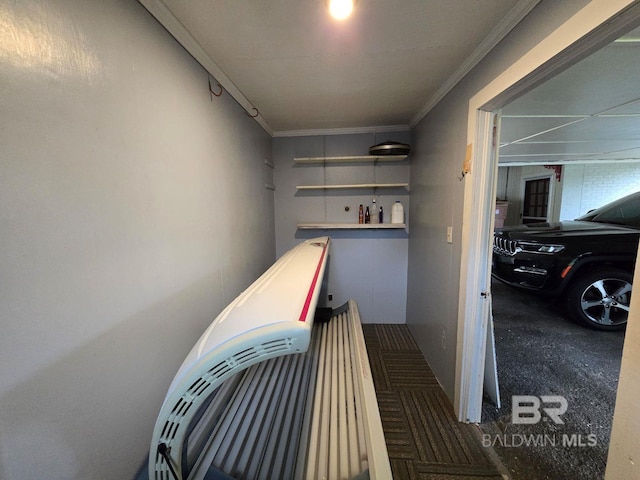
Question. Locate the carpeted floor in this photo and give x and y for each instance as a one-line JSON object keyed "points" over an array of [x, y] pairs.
{"points": [[424, 439]]}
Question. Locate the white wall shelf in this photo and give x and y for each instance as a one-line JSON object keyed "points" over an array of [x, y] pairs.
{"points": [[354, 163], [351, 226], [355, 185], [352, 159]]}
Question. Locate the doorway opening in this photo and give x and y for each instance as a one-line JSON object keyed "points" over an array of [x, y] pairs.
{"points": [[596, 25], [537, 199]]}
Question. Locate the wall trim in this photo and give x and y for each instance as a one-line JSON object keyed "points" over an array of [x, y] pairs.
{"points": [[508, 23], [341, 131], [569, 162], [169, 22], [161, 12]]}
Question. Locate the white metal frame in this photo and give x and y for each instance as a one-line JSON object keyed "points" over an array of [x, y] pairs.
{"points": [[598, 23]]}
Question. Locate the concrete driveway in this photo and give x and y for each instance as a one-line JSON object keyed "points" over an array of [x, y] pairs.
{"points": [[541, 352]]}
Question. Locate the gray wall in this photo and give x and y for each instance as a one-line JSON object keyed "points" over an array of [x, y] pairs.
{"points": [[369, 266], [439, 143], [132, 210]]}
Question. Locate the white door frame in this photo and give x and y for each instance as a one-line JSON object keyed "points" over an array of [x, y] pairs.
{"points": [[550, 199], [595, 25]]}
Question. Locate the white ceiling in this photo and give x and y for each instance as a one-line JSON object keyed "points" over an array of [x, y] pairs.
{"points": [[590, 112], [385, 66]]}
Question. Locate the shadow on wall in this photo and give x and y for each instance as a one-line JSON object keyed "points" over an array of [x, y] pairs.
{"points": [[61, 424]]}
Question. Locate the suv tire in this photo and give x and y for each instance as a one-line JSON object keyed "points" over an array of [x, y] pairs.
{"points": [[600, 299]]}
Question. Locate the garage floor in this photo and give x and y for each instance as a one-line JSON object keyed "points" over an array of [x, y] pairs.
{"points": [[541, 352]]}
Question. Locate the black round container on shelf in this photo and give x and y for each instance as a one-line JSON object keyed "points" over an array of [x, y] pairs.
{"points": [[389, 148]]}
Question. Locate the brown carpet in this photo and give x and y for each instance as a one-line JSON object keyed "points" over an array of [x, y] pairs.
{"points": [[424, 439]]}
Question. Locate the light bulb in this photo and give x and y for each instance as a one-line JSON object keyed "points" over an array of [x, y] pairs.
{"points": [[340, 9]]}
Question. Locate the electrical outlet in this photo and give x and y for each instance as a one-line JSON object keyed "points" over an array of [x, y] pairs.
{"points": [[444, 339], [449, 234], [331, 297]]}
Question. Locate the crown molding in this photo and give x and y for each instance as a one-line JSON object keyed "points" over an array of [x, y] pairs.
{"points": [[341, 131], [167, 19], [508, 23]]}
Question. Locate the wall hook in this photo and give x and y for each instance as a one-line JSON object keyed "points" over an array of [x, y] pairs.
{"points": [[214, 93], [253, 116]]}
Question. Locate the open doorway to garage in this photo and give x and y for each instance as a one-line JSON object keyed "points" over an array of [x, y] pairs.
{"points": [[566, 147], [581, 131]]}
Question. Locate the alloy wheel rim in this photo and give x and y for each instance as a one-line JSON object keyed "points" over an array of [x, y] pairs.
{"points": [[606, 301]]}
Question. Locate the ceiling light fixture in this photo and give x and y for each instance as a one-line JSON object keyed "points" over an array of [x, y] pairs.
{"points": [[341, 9]]}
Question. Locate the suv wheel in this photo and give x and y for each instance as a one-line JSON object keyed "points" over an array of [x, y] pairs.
{"points": [[600, 299]]}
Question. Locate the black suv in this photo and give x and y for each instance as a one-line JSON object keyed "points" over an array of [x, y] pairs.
{"points": [[588, 262]]}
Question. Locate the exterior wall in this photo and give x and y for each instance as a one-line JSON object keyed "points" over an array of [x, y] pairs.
{"points": [[369, 266], [511, 183], [582, 187], [132, 210], [590, 186], [439, 146]]}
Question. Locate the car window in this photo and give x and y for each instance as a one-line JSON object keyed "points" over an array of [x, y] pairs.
{"points": [[625, 212]]}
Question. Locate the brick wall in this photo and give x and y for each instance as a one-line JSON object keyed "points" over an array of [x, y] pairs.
{"points": [[590, 186]]}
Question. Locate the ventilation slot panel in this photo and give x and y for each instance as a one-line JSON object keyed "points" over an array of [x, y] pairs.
{"points": [[259, 432], [298, 416]]}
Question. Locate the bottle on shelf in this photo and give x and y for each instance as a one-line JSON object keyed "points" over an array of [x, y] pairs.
{"points": [[380, 216], [374, 212], [361, 214], [367, 215], [397, 213]]}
